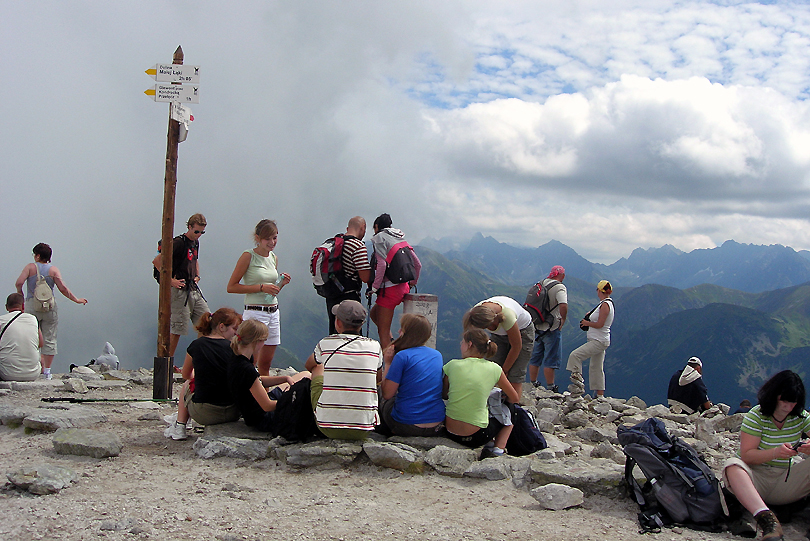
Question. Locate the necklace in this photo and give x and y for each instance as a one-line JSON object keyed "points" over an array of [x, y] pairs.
{"points": [[778, 421]]}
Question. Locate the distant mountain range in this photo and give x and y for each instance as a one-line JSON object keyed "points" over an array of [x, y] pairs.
{"points": [[743, 309]]}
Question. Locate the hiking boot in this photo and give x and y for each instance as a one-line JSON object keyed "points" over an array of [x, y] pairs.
{"points": [[769, 524], [554, 389], [176, 431], [536, 384]]}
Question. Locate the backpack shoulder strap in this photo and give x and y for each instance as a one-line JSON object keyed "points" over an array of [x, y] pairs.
{"points": [[9, 323], [346, 343]]}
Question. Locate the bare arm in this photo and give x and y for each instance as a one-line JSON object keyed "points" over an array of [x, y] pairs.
{"points": [[60, 284], [752, 455], [515, 343], [365, 275], [188, 367], [260, 394], [175, 283], [603, 314], [270, 381], [26, 272], [389, 389], [41, 339], [563, 313], [310, 364], [238, 272]]}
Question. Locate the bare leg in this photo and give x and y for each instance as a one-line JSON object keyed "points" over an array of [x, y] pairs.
{"points": [[503, 436], [534, 371], [549, 373], [47, 360], [518, 388], [265, 359], [182, 410], [382, 318], [744, 490]]}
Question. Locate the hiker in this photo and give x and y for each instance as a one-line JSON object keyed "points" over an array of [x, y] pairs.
{"points": [[47, 319], [687, 392], [346, 368], [597, 322], [209, 400], [412, 382], [467, 385], [547, 350], [356, 267], [390, 293], [257, 269], [771, 435], [744, 407], [512, 331], [20, 340], [248, 387], [188, 303]]}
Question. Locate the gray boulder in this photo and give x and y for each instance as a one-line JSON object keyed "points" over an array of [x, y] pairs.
{"points": [[231, 447], [42, 478], [86, 442], [397, 456], [322, 454], [449, 461], [592, 476], [555, 496]]}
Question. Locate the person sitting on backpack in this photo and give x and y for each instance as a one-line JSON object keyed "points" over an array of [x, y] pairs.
{"points": [[512, 331], [412, 382], [687, 392], [770, 436], [47, 319], [467, 385], [249, 389], [209, 400], [389, 294]]}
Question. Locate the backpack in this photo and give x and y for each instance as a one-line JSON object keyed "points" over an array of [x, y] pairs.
{"points": [[43, 294], [525, 437], [293, 418], [538, 303], [399, 267], [326, 268], [680, 487]]}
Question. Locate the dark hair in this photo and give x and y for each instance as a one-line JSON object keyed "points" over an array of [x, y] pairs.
{"points": [[265, 229], [787, 386], [416, 332], [382, 221], [15, 299], [481, 342], [44, 252], [209, 322], [196, 219]]}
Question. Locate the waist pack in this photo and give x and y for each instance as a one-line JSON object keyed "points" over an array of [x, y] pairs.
{"points": [[43, 295], [679, 488], [525, 437], [294, 419]]}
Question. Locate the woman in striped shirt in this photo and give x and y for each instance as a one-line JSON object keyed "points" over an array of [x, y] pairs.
{"points": [[770, 436]]}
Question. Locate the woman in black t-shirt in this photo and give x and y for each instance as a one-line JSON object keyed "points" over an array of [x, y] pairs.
{"points": [[248, 388], [204, 396]]}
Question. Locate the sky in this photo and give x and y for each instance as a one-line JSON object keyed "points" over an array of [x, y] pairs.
{"points": [[605, 125]]}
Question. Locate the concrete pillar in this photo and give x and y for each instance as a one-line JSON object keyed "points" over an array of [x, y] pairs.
{"points": [[425, 305]]}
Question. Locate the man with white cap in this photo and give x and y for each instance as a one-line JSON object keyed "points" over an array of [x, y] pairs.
{"points": [[687, 392], [346, 368]]}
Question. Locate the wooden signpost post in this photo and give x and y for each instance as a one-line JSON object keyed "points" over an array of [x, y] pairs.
{"points": [[174, 73]]}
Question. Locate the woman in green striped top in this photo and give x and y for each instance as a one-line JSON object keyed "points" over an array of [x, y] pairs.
{"points": [[771, 435]]}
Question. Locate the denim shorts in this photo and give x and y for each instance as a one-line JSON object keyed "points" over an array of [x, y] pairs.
{"points": [[547, 350]]}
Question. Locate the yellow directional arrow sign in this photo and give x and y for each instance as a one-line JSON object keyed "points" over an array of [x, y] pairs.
{"points": [[180, 93], [174, 73]]}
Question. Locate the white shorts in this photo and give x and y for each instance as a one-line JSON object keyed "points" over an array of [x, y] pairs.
{"points": [[271, 320]]}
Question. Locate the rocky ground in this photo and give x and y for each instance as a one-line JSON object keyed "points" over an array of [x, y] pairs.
{"points": [[162, 489]]}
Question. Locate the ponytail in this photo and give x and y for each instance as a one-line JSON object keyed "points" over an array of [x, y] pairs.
{"points": [[481, 342], [250, 331]]}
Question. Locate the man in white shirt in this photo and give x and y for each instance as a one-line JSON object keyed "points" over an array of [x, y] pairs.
{"points": [[548, 339], [20, 341]]}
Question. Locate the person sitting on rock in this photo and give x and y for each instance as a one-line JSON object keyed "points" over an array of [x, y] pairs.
{"points": [[346, 368], [687, 392], [467, 385], [205, 397], [412, 382], [20, 340], [249, 389]]}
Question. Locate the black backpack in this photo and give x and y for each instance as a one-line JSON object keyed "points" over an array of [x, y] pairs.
{"points": [[680, 487], [399, 267], [538, 303], [293, 418], [525, 437]]}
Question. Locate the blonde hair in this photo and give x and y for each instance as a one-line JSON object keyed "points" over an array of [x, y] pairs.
{"points": [[249, 332], [480, 317], [416, 332], [481, 342]]}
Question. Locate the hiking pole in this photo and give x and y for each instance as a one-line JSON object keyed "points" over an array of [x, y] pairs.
{"points": [[74, 400]]}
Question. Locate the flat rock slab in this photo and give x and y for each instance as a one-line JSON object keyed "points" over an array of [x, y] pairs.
{"points": [[53, 418], [12, 416], [43, 385], [108, 384], [397, 456], [323, 454], [42, 478], [594, 476], [241, 448], [236, 429], [426, 444], [86, 442]]}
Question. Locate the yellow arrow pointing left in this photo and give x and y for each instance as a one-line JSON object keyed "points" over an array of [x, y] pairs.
{"points": [[149, 91], [151, 71]]}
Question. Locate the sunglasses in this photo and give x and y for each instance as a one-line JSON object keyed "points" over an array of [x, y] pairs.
{"points": [[198, 232]]}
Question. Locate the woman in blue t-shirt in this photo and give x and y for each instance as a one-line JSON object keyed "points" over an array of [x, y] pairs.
{"points": [[412, 384]]}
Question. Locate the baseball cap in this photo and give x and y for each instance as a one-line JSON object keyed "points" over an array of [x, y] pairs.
{"points": [[350, 312]]}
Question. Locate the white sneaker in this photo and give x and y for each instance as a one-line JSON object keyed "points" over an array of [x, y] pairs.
{"points": [[176, 431], [46, 376]]}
